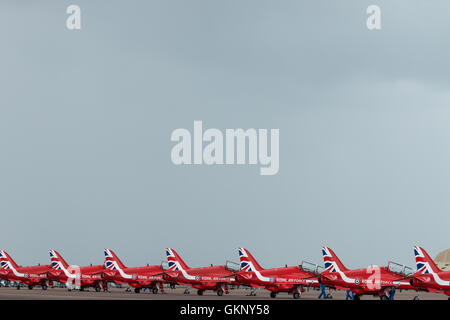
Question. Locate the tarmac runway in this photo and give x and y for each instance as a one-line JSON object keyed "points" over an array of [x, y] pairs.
{"points": [[178, 294]]}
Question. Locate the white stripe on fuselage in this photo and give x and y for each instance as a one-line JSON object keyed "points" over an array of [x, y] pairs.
{"points": [[67, 273], [342, 274], [436, 277], [374, 282], [122, 273], [258, 274], [185, 274], [16, 273]]}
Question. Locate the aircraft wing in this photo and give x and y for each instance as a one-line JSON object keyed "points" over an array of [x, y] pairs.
{"points": [[144, 283]]}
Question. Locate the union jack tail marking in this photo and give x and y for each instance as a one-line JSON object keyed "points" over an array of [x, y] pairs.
{"points": [[174, 260], [247, 262], [331, 261], [424, 262]]}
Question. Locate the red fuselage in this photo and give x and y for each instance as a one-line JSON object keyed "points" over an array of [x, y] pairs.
{"points": [[372, 280], [434, 282], [138, 277], [285, 279], [34, 275], [206, 278], [88, 276]]}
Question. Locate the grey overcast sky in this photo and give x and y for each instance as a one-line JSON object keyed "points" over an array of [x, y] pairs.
{"points": [[86, 118]]}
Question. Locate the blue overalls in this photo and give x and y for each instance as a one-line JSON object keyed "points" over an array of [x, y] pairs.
{"points": [[322, 293]]}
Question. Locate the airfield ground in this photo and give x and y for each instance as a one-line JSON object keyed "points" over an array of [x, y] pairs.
{"points": [[178, 294]]}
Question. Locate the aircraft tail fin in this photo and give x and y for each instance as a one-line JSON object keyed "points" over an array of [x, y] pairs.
{"points": [[6, 262], [247, 261], [57, 261], [424, 262], [331, 261], [174, 260], [112, 261]]}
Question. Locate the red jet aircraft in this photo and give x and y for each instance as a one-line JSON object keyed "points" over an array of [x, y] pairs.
{"points": [[30, 276], [288, 279], [428, 276], [216, 278], [140, 277], [75, 276], [376, 281]]}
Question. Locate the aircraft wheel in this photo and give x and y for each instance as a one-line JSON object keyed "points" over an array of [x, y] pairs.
{"points": [[44, 287], [18, 287], [30, 287], [220, 292], [155, 290], [97, 289], [200, 292], [296, 295], [329, 296], [137, 290], [417, 298], [357, 297], [273, 294], [81, 289], [384, 297], [172, 286]]}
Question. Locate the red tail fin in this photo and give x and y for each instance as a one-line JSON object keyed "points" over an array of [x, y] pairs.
{"points": [[331, 261], [424, 262], [174, 260], [57, 259], [247, 261], [6, 261], [111, 260]]}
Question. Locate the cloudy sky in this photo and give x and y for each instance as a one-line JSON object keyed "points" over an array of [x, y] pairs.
{"points": [[86, 118]]}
